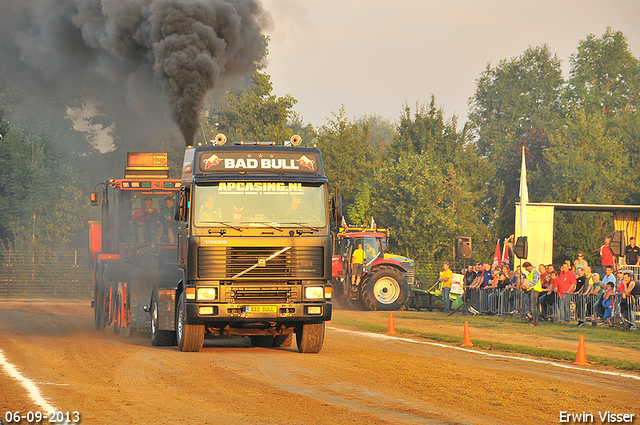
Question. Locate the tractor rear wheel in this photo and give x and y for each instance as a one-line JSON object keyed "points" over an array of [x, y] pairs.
{"points": [[385, 289]]}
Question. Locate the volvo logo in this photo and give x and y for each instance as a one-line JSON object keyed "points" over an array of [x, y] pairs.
{"points": [[215, 242]]}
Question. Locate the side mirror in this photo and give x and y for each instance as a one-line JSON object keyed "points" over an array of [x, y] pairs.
{"points": [[95, 199], [336, 210]]}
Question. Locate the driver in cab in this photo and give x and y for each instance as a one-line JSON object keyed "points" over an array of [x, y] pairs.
{"points": [[148, 220]]}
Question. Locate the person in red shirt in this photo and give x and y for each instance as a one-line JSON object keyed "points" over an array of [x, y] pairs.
{"points": [[566, 280], [566, 283], [606, 253]]}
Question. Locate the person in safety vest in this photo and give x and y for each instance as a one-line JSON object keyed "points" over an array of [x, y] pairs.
{"points": [[532, 280], [532, 284]]}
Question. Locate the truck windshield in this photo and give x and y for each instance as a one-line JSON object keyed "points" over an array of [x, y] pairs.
{"points": [[260, 204]]}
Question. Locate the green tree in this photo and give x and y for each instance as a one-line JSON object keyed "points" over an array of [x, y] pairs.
{"points": [[251, 114], [605, 76], [586, 165], [605, 82], [382, 131], [428, 190], [359, 212], [517, 103], [349, 159], [41, 205]]}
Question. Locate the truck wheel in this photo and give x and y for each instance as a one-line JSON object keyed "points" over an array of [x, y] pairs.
{"points": [[385, 289], [159, 338], [310, 337], [117, 325], [103, 307], [98, 313], [283, 340], [190, 336], [261, 340]]}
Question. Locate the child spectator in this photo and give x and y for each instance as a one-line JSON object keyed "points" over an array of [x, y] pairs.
{"points": [[607, 303]]}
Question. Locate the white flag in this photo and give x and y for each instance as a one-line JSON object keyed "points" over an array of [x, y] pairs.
{"points": [[524, 195]]}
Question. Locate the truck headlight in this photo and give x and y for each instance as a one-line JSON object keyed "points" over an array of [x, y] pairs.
{"points": [[207, 294], [314, 292]]}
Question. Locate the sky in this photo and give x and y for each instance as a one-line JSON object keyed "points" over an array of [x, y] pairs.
{"points": [[376, 56]]}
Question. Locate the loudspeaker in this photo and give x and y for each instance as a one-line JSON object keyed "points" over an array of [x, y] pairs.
{"points": [[617, 243], [463, 247], [521, 250]]}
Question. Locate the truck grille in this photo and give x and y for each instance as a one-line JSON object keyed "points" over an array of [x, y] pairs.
{"points": [[259, 296], [299, 262]]}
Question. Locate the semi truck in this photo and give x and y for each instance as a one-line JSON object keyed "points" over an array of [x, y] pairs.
{"points": [[254, 248], [133, 245]]}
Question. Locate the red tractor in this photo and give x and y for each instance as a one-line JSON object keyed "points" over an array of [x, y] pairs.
{"points": [[384, 282]]}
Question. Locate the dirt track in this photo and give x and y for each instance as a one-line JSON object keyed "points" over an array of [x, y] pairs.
{"points": [[355, 379]]}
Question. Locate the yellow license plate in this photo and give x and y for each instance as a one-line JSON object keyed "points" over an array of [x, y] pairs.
{"points": [[261, 309]]}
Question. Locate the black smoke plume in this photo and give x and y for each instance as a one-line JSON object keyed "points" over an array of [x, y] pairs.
{"points": [[137, 59]]}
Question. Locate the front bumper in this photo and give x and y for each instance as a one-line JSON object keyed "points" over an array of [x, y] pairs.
{"points": [[204, 312]]}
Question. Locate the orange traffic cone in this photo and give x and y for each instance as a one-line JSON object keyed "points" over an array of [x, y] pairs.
{"points": [[466, 338], [391, 329], [581, 357]]}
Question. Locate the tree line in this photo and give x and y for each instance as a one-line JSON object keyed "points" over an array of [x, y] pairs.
{"points": [[426, 176]]}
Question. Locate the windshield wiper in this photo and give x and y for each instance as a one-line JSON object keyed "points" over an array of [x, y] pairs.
{"points": [[222, 222], [265, 223], [315, 229]]}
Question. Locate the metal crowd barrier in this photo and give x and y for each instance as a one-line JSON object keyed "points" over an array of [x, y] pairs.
{"points": [[556, 307]]}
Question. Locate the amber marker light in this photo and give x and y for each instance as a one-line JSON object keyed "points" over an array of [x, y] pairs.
{"points": [[190, 293], [328, 291]]}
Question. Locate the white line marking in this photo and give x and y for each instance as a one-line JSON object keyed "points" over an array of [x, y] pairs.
{"points": [[524, 359], [30, 386]]}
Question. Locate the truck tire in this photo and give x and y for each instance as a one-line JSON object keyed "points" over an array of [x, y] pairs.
{"points": [[102, 308], [385, 288], [190, 336], [262, 340], [283, 340], [310, 337], [98, 308], [97, 318], [117, 325], [159, 338]]}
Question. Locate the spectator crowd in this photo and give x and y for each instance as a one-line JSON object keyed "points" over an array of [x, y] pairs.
{"points": [[553, 292]]}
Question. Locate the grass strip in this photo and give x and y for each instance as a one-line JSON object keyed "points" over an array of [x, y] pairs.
{"points": [[498, 346], [601, 334]]}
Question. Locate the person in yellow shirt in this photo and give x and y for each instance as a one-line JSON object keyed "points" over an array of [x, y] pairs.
{"points": [[369, 252], [356, 265], [446, 277]]}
